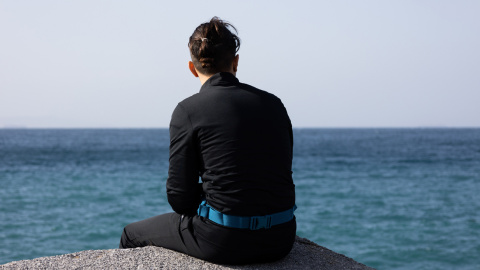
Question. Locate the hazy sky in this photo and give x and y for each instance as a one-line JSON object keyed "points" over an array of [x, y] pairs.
{"points": [[333, 63]]}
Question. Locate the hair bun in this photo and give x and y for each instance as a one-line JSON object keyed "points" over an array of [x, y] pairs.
{"points": [[213, 46]]}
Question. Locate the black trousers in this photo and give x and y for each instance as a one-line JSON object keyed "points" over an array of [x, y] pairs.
{"points": [[201, 238]]}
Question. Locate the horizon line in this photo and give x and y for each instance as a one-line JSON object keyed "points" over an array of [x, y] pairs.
{"points": [[294, 127]]}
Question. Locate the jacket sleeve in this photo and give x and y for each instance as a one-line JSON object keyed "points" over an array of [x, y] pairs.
{"points": [[183, 192]]}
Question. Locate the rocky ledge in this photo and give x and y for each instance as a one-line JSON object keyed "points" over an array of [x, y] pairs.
{"points": [[304, 255]]}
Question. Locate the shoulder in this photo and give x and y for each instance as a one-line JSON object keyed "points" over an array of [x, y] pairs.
{"points": [[265, 95], [189, 102]]}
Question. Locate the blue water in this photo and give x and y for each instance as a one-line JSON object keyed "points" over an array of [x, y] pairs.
{"points": [[389, 198]]}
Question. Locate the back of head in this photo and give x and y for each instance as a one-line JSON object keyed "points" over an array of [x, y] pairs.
{"points": [[213, 46]]}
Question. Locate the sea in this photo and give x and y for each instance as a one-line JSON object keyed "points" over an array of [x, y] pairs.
{"points": [[390, 198]]}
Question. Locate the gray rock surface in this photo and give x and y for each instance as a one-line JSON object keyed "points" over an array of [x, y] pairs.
{"points": [[304, 255]]}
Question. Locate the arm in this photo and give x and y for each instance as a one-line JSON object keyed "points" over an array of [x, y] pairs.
{"points": [[182, 184]]}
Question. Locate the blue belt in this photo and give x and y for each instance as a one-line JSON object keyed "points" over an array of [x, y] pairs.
{"points": [[252, 223]]}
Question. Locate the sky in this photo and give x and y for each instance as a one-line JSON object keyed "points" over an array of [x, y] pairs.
{"points": [[124, 64]]}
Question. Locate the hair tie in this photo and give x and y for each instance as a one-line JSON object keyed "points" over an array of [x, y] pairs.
{"points": [[204, 39]]}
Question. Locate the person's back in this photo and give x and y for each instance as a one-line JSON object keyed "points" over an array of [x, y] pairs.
{"points": [[244, 147], [238, 140]]}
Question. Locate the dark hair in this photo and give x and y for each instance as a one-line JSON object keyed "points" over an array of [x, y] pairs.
{"points": [[213, 46]]}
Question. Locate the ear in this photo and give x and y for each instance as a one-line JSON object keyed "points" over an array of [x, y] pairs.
{"points": [[192, 68], [235, 63]]}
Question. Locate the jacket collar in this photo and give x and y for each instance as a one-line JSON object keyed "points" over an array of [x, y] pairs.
{"points": [[220, 79]]}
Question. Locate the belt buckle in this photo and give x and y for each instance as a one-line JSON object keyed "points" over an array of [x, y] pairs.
{"points": [[259, 222]]}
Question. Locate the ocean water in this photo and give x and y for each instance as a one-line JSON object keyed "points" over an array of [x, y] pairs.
{"points": [[388, 198]]}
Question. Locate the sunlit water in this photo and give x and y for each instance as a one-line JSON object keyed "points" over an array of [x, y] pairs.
{"points": [[389, 198]]}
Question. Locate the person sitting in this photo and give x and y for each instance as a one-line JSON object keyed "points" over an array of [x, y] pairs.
{"points": [[237, 141]]}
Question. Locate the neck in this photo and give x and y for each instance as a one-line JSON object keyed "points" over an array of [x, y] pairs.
{"points": [[203, 78]]}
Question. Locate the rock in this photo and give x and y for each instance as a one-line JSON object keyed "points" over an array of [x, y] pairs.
{"points": [[304, 255]]}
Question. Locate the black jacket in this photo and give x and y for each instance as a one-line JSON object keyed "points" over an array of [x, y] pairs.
{"points": [[238, 139]]}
